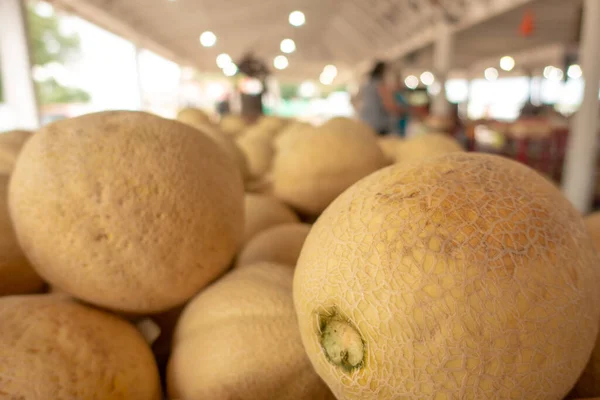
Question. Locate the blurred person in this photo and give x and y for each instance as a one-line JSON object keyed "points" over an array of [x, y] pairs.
{"points": [[224, 106], [377, 103], [402, 119]]}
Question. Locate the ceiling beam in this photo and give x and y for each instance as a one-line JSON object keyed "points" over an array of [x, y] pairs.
{"points": [[478, 12]]}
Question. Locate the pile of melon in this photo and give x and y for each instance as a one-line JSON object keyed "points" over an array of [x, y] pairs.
{"points": [[149, 258]]}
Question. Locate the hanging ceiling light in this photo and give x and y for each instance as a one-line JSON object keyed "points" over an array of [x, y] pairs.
{"points": [[280, 62], [208, 39], [287, 46]]}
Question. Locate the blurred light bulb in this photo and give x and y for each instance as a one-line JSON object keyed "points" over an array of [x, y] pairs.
{"points": [[230, 69], [507, 63], [574, 72], [223, 60], [297, 18], [427, 78], [208, 39], [288, 46], [280, 62], [411, 82], [491, 74]]}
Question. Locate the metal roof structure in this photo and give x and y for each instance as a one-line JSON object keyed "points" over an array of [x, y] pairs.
{"points": [[347, 33]]}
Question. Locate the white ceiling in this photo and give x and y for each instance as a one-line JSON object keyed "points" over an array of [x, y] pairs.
{"points": [[347, 33]]}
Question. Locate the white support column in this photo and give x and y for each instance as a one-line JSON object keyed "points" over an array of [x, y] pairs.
{"points": [[15, 63], [580, 165], [442, 62]]}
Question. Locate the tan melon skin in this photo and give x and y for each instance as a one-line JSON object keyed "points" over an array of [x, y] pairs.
{"points": [[423, 147], [319, 164], [239, 339], [262, 212], [17, 276], [126, 210], [589, 382], [280, 244], [52, 348], [199, 120], [467, 277], [10, 145]]}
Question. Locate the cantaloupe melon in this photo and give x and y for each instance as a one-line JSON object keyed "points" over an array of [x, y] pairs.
{"points": [[272, 122], [259, 154], [16, 273], [239, 339], [592, 222], [193, 116], [10, 145], [232, 124], [287, 135], [280, 244], [589, 382], [226, 143], [127, 210], [425, 146], [53, 348], [319, 164], [349, 125], [464, 277], [389, 146], [262, 212]]}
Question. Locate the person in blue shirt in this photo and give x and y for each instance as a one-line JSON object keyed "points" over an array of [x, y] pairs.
{"points": [[378, 105], [402, 100]]}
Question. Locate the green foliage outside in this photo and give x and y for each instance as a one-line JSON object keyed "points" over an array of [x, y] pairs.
{"points": [[48, 45]]}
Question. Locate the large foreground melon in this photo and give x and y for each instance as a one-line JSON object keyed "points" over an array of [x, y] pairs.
{"points": [[319, 164], [465, 277], [127, 210], [16, 273], [53, 348], [592, 222], [239, 340], [10, 145], [589, 382], [280, 244], [262, 212]]}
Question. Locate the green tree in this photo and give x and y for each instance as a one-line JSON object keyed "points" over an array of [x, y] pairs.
{"points": [[49, 44]]}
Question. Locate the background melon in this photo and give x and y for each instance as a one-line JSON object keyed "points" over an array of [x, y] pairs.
{"points": [[127, 210], [226, 143], [259, 154], [319, 164], [239, 339], [348, 124], [232, 124], [10, 145], [468, 276], [52, 348], [593, 224], [389, 146], [193, 117], [262, 212], [287, 135], [16, 274], [280, 244], [425, 146]]}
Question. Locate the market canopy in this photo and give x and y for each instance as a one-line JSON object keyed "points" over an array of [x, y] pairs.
{"points": [[347, 33]]}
